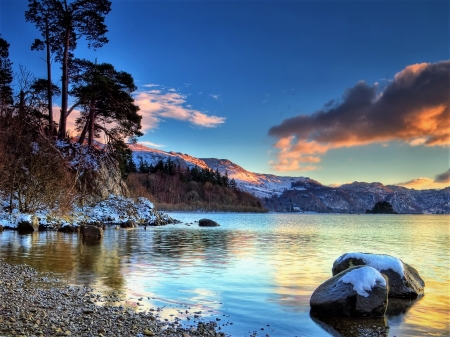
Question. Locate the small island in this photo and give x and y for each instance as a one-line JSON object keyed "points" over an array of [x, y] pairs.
{"points": [[382, 207]]}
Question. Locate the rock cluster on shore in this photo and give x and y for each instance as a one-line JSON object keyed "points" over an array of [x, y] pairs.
{"points": [[35, 305], [115, 210]]}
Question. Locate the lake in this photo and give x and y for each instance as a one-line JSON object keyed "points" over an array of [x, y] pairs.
{"points": [[254, 274]]}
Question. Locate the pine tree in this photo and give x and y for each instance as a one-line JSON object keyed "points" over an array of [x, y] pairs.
{"points": [[62, 24], [6, 77], [104, 94]]}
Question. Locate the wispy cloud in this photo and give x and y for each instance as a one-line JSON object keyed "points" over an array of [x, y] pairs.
{"points": [[162, 103], [151, 144], [216, 97], [413, 108], [440, 181]]}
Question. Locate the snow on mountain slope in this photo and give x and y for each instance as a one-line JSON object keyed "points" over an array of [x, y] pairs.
{"points": [[260, 185], [153, 156], [305, 194]]}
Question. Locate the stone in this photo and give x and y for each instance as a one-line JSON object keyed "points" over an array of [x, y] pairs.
{"points": [[207, 223], [26, 226], [404, 280], [128, 224], [365, 296], [89, 231]]}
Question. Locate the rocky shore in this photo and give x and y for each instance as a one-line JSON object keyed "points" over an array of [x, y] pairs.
{"points": [[34, 304]]}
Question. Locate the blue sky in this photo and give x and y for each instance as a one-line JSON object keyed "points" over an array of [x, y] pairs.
{"points": [[257, 82]]}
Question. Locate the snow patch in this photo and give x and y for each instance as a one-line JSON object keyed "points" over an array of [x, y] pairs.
{"points": [[378, 261], [363, 279]]}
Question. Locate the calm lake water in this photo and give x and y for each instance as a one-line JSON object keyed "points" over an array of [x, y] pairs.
{"points": [[257, 271]]}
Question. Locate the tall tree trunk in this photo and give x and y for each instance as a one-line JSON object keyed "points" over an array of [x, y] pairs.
{"points": [[91, 122], [21, 105], [65, 78], [49, 84], [83, 133]]}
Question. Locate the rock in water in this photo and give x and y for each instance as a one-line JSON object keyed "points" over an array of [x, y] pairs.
{"points": [[89, 231], [382, 207], [128, 224], [28, 225], [404, 280], [356, 292], [207, 223]]}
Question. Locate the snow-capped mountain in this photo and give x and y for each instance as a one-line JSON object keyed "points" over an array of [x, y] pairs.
{"points": [[153, 156], [260, 185], [305, 194]]}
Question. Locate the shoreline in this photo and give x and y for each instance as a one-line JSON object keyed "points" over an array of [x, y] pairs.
{"points": [[37, 304]]}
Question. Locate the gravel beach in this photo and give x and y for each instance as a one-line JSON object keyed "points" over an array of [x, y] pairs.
{"points": [[34, 304]]}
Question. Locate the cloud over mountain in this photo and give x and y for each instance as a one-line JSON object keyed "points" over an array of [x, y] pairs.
{"points": [[414, 108], [443, 177]]}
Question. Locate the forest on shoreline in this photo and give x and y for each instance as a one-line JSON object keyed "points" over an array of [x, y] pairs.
{"points": [[44, 168], [173, 188]]}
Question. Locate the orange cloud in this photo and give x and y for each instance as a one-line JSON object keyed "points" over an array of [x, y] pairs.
{"points": [[422, 183], [414, 108]]}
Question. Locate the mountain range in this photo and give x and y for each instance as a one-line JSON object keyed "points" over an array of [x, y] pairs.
{"points": [[302, 194]]}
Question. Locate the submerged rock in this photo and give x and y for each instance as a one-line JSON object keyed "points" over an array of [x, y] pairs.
{"points": [[353, 327], [360, 291], [207, 223], [404, 280]]}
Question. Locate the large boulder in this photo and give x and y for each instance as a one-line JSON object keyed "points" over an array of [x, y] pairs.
{"points": [[28, 224], [89, 231], [207, 223], [360, 291], [404, 280]]}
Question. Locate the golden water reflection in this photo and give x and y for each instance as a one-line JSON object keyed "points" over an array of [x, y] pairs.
{"points": [[265, 265]]}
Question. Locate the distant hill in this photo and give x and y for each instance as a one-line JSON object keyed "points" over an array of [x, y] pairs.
{"points": [[301, 194]]}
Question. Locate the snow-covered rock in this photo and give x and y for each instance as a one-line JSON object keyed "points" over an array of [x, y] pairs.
{"points": [[404, 280], [98, 173], [360, 291], [27, 223]]}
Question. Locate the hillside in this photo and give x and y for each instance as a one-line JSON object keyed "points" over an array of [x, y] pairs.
{"points": [[304, 194], [260, 185]]}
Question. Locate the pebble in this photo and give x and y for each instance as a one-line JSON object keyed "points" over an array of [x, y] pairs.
{"points": [[32, 304]]}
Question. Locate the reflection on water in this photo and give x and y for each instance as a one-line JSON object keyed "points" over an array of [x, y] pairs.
{"points": [[346, 327], [255, 270]]}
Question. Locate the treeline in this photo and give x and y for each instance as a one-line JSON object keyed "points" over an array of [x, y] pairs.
{"points": [[174, 188], [35, 173]]}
